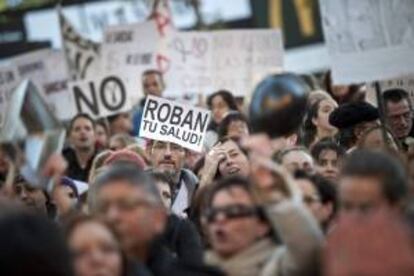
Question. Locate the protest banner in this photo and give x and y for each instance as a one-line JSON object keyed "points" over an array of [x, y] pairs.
{"points": [[9, 80], [405, 83], [234, 60], [129, 46], [174, 122], [82, 55], [102, 96], [368, 40], [48, 72]]}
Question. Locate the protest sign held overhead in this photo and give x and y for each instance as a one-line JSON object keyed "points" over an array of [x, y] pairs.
{"points": [[101, 97], [129, 46], [82, 55], [47, 71], [368, 40], [233, 60], [174, 122], [405, 83]]}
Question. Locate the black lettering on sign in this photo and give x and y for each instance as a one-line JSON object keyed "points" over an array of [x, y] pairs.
{"points": [[6, 77], [151, 107], [120, 37], [113, 93], [80, 97], [30, 68]]}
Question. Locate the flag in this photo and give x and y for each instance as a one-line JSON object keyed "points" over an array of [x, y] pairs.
{"points": [[82, 55]]}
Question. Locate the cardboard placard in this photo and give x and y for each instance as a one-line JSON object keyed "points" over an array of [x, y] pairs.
{"points": [[368, 40], [174, 122]]}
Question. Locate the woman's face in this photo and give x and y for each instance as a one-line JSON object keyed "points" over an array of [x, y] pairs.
{"points": [[235, 161], [219, 108], [237, 129], [96, 251], [101, 136], [325, 109]]}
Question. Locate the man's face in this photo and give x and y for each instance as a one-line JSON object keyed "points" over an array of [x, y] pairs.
{"points": [[298, 160], [328, 165], [33, 198], [82, 135], [235, 161], [232, 232], [153, 85], [167, 157], [400, 118], [361, 194], [132, 212]]}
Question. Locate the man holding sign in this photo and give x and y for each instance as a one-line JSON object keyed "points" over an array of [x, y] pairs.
{"points": [[173, 127], [152, 84]]}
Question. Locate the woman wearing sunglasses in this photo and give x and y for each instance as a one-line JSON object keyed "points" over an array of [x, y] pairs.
{"points": [[240, 219]]}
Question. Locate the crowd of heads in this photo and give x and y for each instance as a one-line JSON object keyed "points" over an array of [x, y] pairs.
{"points": [[251, 203]]}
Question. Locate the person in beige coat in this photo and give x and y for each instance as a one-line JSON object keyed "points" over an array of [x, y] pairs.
{"points": [[242, 222]]}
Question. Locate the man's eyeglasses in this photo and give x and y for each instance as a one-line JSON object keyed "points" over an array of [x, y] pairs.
{"points": [[232, 212], [126, 204]]}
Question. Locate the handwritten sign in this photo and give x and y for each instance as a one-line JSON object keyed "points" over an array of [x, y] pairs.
{"points": [[102, 96], [234, 60], [174, 122], [368, 40]]}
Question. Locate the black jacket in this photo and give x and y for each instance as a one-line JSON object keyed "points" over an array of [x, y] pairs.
{"points": [[162, 263], [183, 240], [74, 170]]}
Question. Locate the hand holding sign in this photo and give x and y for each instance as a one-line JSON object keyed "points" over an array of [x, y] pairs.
{"points": [[173, 122]]}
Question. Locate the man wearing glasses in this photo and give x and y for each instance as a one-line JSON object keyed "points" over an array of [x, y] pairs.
{"points": [[241, 229], [129, 200], [168, 158]]}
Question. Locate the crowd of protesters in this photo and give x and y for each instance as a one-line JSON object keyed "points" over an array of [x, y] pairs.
{"points": [[333, 197]]}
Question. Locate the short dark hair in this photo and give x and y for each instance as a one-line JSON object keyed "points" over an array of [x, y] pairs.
{"points": [[223, 127], [152, 72], [32, 245], [326, 144], [227, 97], [227, 183], [78, 116], [130, 174], [395, 95], [384, 167]]}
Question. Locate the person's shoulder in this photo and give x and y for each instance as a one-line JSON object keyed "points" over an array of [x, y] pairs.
{"points": [[189, 177]]}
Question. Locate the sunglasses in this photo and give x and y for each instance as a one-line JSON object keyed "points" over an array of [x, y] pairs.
{"points": [[232, 212]]}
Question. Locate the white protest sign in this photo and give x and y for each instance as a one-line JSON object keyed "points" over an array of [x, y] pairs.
{"points": [[9, 80], [369, 40], [47, 70], [82, 54], [101, 97], [174, 122], [405, 83], [129, 46], [233, 60]]}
